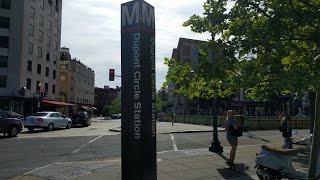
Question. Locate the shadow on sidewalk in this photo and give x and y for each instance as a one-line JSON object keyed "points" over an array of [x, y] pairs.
{"points": [[252, 136], [227, 173]]}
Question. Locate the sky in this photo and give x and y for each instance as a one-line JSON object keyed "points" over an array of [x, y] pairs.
{"points": [[91, 30]]}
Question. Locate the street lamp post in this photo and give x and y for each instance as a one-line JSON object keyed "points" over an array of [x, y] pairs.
{"points": [[215, 143]]}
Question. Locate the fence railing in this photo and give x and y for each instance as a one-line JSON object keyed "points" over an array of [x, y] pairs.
{"points": [[250, 122]]}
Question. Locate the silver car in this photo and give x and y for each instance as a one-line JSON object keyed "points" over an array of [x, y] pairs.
{"points": [[47, 121]]}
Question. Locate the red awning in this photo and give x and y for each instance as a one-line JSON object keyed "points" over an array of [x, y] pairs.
{"points": [[57, 103]]}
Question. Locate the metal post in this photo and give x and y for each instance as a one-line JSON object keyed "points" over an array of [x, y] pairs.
{"points": [[215, 143]]}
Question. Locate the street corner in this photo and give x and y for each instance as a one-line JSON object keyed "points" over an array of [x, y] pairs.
{"points": [[115, 129]]}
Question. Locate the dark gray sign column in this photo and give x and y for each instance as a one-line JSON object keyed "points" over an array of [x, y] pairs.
{"points": [[138, 92]]}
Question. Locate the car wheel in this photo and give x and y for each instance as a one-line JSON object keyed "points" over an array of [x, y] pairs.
{"points": [[50, 127], [68, 125], [13, 131], [30, 129], [86, 124]]}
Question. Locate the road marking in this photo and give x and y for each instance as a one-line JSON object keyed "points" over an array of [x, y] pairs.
{"points": [[227, 147], [85, 145], [173, 142], [36, 169]]}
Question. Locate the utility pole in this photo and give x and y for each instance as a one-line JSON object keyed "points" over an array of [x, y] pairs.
{"points": [[315, 141]]}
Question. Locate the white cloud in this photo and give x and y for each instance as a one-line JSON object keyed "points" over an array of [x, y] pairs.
{"points": [[91, 29]]}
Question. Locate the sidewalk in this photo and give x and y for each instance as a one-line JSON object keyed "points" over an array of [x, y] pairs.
{"points": [[167, 128], [197, 164]]}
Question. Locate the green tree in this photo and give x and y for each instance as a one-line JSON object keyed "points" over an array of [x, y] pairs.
{"points": [[162, 99], [115, 106], [105, 110], [264, 46]]}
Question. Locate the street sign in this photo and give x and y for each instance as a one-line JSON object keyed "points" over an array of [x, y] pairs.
{"points": [[138, 93]]}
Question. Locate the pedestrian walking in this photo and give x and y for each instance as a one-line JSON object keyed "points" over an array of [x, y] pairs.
{"points": [[285, 128], [232, 126], [174, 118]]}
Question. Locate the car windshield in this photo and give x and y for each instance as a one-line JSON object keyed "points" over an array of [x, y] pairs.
{"points": [[82, 113], [39, 114], [12, 114]]}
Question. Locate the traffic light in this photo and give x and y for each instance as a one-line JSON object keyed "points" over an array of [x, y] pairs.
{"points": [[111, 74]]}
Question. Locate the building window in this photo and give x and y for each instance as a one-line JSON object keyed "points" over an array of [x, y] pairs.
{"points": [[49, 26], [40, 36], [41, 20], [28, 83], [55, 59], [54, 74], [32, 12], [55, 30], [53, 89], [48, 56], [57, 5], [50, 2], [3, 61], [4, 22], [29, 66], [38, 86], [50, 9], [30, 48], [4, 42], [41, 4], [3, 81], [31, 30], [39, 52], [39, 69], [49, 40], [47, 71], [63, 78], [55, 45], [46, 87], [6, 4]]}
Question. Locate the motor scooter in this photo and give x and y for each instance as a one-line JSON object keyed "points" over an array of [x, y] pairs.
{"points": [[275, 163]]}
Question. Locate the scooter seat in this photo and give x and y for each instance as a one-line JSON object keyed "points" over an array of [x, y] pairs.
{"points": [[285, 152]]}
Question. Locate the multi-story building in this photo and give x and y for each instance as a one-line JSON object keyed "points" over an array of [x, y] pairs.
{"points": [[30, 33], [186, 52], [104, 96], [76, 80]]}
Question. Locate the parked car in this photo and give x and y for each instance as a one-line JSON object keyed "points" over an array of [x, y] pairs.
{"points": [[10, 126], [12, 114], [81, 117], [47, 121]]}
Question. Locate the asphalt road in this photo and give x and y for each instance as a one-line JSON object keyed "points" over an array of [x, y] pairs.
{"points": [[21, 155]]}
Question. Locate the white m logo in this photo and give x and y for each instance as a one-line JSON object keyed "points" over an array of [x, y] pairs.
{"points": [[145, 16]]}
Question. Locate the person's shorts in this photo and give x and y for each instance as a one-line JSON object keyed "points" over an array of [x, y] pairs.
{"points": [[233, 140]]}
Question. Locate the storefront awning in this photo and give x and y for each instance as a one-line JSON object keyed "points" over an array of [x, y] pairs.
{"points": [[57, 103]]}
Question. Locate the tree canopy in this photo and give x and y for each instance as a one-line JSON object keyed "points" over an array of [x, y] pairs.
{"points": [[115, 106], [266, 47]]}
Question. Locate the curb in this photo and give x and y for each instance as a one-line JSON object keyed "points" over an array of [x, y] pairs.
{"points": [[115, 129]]}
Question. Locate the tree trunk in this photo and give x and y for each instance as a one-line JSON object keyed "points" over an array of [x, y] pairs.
{"points": [[315, 141]]}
